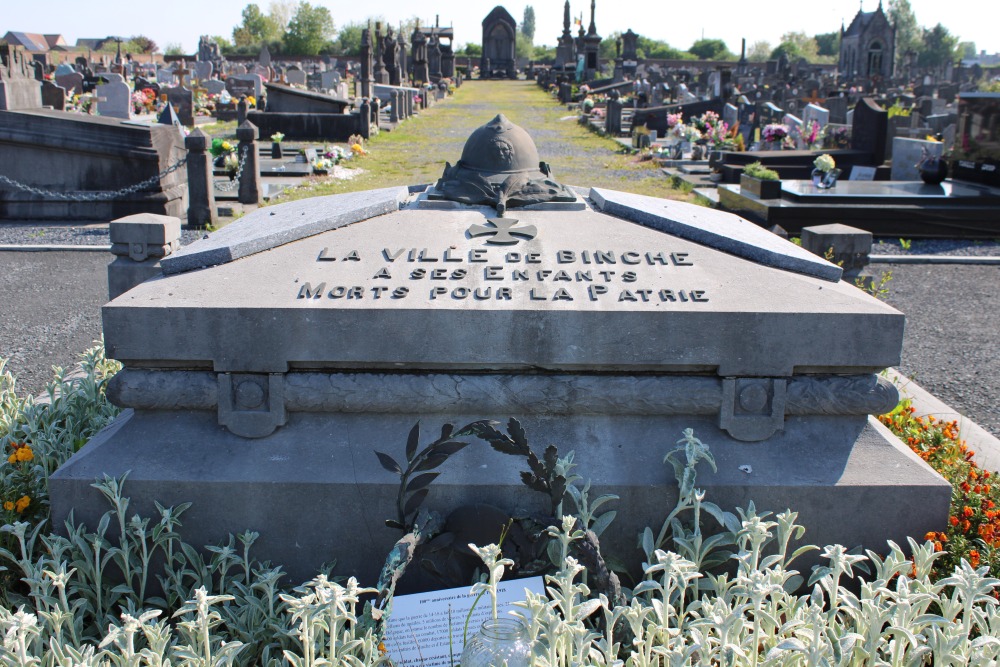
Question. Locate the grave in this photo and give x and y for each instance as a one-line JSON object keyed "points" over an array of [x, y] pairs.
{"points": [[182, 100], [302, 114], [909, 209], [114, 98], [604, 322]]}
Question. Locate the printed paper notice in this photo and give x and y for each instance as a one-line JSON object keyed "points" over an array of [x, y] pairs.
{"points": [[420, 625]]}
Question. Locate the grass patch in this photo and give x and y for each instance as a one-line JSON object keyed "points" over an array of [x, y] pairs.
{"points": [[416, 151]]}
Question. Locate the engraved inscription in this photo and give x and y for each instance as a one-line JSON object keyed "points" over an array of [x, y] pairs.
{"points": [[623, 277]]}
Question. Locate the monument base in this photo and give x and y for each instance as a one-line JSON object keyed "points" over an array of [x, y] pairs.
{"points": [[316, 492]]}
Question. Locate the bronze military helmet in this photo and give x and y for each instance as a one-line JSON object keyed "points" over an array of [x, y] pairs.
{"points": [[500, 167], [500, 147]]}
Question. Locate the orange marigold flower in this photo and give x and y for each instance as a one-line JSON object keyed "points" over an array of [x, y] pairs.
{"points": [[967, 511], [953, 520], [938, 547], [974, 558], [965, 487], [966, 525], [930, 536], [8, 505], [24, 453], [22, 504]]}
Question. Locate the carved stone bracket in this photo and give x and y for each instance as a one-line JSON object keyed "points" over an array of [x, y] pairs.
{"points": [[251, 405], [753, 409]]}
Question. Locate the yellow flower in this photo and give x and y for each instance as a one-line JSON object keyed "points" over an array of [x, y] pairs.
{"points": [[357, 149], [24, 453], [8, 505], [12, 458], [226, 146], [22, 504]]}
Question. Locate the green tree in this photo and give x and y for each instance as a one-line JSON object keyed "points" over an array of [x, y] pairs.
{"points": [[967, 50], [174, 49], [256, 28], [654, 48], [308, 30], [710, 49], [471, 50], [349, 39], [938, 47], [796, 45], [759, 51], [908, 33], [828, 44], [528, 23], [523, 47]]}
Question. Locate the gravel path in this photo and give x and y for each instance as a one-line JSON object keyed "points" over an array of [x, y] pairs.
{"points": [[52, 299]]}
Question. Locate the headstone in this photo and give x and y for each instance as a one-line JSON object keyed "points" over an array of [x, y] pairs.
{"points": [[295, 76], [770, 113], [142, 84], [164, 77], [907, 153], [814, 112], [114, 98], [730, 114], [869, 129], [213, 86], [203, 70], [265, 56], [72, 83], [182, 99], [248, 85], [240, 70], [838, 110], [18, 87], [329, 79]]}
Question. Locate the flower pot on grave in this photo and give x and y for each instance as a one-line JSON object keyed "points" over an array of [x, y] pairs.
{"points": [[760, 188], [934, 171], [275, 150]]}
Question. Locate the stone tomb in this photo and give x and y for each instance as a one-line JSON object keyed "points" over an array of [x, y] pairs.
{"points": [[298, 340]]}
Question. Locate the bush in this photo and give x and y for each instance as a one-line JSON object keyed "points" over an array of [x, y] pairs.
{"points": [[757, 170]]}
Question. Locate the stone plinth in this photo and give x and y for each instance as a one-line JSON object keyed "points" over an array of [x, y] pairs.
{"points": [[295, 342], [139, 242]]}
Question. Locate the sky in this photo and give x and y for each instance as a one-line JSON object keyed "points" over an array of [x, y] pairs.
{"points": [[679, 24]]}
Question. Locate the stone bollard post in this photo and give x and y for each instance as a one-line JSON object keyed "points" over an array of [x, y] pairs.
{"points": [[376, 112], [201, 188], [393, 107], [850, 248], [365, 119], [249, 191], [613, 120], [242, 109], [139, 242]]}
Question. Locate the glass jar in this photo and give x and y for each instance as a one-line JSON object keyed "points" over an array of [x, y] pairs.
{"points": [[502, 641]]}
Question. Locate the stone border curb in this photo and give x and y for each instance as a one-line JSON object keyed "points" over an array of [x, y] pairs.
{"points": [[50, 248], [934, 259], [979, 440]]}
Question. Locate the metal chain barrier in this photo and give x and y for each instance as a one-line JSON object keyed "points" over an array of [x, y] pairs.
{"points": [[95, 196], [235, 182]]}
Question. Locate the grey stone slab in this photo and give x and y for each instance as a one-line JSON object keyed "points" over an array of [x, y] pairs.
{"points": [[269, 228], [213, 86], [907, 153], [715, 229], [589, 292], [858, 487], [146, 228], [114, 99]]}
